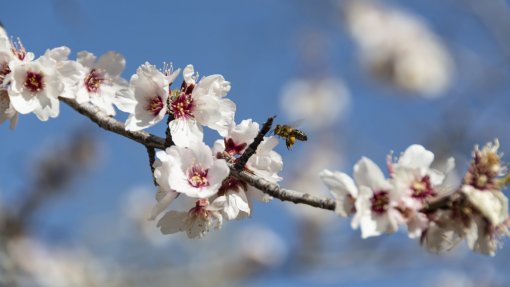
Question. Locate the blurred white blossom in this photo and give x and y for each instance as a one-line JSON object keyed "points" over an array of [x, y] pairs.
{"points": [[319, 103], [400, 48]]}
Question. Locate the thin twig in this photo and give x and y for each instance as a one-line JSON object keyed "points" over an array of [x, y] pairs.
{"points": [[110, 124], [252, 148], [152, 141], [283, 194], [152, 157]]}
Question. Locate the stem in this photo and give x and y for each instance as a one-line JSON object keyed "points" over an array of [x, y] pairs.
{"points": [[155, 142], [252, 148]]}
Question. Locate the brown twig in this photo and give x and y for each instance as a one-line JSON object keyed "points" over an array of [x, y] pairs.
{"points": [[152, 157], [110, 124], [252, 148], [155, 142], [283, 194]]}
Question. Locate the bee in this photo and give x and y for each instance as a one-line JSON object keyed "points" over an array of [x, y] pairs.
{"points": [[290, 134]]}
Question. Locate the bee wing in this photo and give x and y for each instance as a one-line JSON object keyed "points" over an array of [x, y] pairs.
{"points": [[296, 123]]}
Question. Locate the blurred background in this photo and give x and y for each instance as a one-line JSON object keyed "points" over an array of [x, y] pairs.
{"points": [[368, 77]]}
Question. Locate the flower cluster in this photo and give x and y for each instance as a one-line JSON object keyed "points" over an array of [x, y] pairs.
{"points": [[189, 167], [30, 85], [416, 195]]}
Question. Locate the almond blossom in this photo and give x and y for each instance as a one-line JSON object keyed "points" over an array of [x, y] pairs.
{"points": [[101, 80], [413, 176], [343, 189], [9, 53], [35, 87], [192, 171], [197, 104], [147, 97], [377, 201], [237, 195], [196, 222]]}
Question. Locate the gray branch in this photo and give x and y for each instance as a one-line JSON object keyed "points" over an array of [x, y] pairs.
{"points": [[152, 141]]}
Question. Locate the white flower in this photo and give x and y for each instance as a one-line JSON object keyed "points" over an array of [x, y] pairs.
{"points": [[7, 111], [418, 183], [35, 87], [10, 55], [233, 201], [146, 99], [443, 233], [481, 184], [71, 71], [192, 171], [484, 237], [238, 138], [198, 104], [101, 80], [238, 195], [195, 222], [493, 205], [319, 103], [343, 189], [400, 48], [163, 198], [376, 203]]}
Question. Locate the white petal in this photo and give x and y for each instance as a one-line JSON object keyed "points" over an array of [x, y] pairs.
{"points": [[163, 202], [415, 157], [367, 173], [185, 131], [173, 222], [86, 58], [343, 189], [492, 204], [188, 73], [112, 62]]}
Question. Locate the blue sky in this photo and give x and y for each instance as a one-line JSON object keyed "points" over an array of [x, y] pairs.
{"points": [[256, 46]]}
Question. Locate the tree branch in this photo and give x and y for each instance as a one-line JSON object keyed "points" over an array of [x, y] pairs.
{"points": [[252, 148], [152, 157], [154, 142], [110, 124], [283, 194]]}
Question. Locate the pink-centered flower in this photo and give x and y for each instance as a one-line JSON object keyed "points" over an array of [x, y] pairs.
{"points": [[147, 97], [196, 222], [10, 55], [101, 80], [377, 201], [35, 87], [236, 195], [199, 104], [192, 171], [418, 183], [344, 191]]}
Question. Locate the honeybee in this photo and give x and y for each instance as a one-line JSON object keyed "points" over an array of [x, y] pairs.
{"points": [[290, 134]]}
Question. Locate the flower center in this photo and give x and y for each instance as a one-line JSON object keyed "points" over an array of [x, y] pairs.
{"points": [[422, 189], [232, 148], [18, 50], [197, 176], [34, 82], [380, 202], [93, 81], [155, 105], [4, 70], [182, 106], [234, 184], [200, 209], [483, 170]]}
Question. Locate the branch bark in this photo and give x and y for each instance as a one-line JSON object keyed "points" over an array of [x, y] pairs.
{"points": [[154, 142]]}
